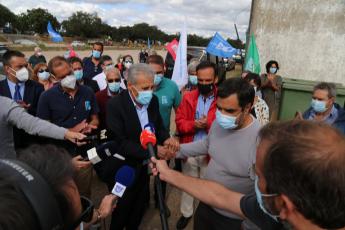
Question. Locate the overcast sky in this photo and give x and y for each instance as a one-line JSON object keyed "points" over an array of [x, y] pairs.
{"points": [[202, 17]]}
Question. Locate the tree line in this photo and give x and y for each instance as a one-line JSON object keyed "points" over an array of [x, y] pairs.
{"points": [[84, 25]]}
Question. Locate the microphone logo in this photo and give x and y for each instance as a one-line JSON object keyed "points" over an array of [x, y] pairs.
{"points": [[119, 189]]}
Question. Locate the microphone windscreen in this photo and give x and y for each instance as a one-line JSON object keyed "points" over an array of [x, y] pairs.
{"points": [[147, 137], [107, 149], [125, 176]]}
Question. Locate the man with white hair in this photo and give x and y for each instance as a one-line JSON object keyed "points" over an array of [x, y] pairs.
{"points": [[127, 115], [113, 88], [37, 58]]}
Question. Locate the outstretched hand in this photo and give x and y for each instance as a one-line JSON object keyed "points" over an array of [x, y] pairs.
{"points": [[160, 167]]}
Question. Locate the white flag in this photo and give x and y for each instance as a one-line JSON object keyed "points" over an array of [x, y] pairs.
{"points": [[180, 74]]}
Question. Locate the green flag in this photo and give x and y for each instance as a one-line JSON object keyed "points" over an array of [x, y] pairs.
{"points": [[252, 63]]}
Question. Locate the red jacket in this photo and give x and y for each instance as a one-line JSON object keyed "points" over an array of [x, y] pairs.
{"points": [[185, 116]]}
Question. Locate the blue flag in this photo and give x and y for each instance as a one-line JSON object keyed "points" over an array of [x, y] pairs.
{"points": [[218, 46], [54, 36], [148, 43]]}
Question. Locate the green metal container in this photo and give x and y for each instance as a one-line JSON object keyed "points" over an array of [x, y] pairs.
{"points": [[296, 96]]}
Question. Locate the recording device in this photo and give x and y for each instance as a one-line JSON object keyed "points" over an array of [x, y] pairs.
{"points": [[102, 135], [148, 140], [124, 178], [103, 152]]}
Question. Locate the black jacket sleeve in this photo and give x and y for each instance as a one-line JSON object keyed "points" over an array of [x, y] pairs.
{"points": [[129, 143]]}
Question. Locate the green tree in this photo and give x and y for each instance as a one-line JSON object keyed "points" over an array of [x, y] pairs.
{"points": [[6, 16], [36, 20], [86, 25]]}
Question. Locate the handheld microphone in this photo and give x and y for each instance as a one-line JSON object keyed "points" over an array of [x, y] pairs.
{"points": [[148, 140], [104, 151], [124, 178], [102, 135]]}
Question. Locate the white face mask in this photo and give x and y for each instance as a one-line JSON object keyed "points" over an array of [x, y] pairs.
{"points": [[22, 75], [128, 65], [69, 82]]}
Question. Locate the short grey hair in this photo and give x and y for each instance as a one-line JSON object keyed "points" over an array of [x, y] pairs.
{"points": [[192, 65], [139, 69], [113, 70], [329, 87]]}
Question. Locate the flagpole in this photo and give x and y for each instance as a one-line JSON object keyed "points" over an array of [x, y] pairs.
{"points": [[238, 39]]}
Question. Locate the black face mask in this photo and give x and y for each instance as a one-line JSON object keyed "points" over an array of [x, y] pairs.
{"points": [[205, 89]]}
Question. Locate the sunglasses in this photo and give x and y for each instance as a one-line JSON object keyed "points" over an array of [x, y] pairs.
{"points": [[86, 214], [115, 80], [42, 70]]}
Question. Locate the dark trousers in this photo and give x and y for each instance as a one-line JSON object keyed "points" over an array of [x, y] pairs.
{"points": [[206, 218], [131, 207]]}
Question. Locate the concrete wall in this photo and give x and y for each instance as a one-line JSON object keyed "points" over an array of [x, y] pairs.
{"points": [[306, 37]]}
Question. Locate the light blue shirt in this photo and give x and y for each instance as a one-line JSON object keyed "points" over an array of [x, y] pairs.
{"points": [[202, 109], [330, 119], [142, 113], [12, 87]]}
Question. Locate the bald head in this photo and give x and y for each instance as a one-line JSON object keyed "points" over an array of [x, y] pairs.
{"points": [[305, 162]]}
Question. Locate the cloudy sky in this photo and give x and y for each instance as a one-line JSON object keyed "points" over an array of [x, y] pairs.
{"points": [[202, 17]]}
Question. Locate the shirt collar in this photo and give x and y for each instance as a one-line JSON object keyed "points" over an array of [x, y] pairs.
{"points": [[11, 83], [334, 112], [136, 105], [210, 97]]}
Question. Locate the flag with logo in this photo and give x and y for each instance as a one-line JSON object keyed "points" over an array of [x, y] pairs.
{"points": [[180, 73], [218, 46], [172, 48], [252, 62], [54, 36]]}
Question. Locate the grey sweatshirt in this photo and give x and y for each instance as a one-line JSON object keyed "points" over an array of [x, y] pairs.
{"points": [[11, 114], [232, 155]]}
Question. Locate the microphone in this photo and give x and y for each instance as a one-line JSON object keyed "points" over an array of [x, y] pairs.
{"points": [[102, 135], [148, 140], [104, 151], [124, 178]]}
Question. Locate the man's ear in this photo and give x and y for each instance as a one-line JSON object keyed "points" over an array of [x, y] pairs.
{"points": [[285, 205]]}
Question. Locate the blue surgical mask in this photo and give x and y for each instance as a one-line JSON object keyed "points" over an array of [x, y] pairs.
{"points": [[226, 121], [318, 106], [78, 74], [114, 87], [144, 97], [273, 70], [158, 79], [193, 79], [44, 75], [96, 54], [259, 196]]}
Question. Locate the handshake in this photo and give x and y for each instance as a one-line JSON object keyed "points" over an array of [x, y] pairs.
{"points": [[169, 149]]}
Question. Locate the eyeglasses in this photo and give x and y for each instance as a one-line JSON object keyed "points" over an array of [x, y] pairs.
{"points": [[86, 214]]}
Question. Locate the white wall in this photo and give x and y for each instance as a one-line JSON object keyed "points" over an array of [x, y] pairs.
{"points": [[306, 37]]}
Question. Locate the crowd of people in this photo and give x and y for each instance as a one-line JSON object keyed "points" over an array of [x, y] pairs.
{"points": [[248, 170]]}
